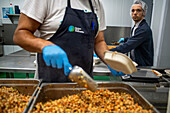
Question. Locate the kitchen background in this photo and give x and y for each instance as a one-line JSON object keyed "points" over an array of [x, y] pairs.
{"points": [[118, 23]]}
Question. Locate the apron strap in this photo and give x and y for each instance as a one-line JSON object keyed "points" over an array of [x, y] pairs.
{"points": [[91, 6], [68, 3]]}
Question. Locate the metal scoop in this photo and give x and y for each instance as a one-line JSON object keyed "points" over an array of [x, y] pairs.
{"points": [[120, 62], [79, 76]]}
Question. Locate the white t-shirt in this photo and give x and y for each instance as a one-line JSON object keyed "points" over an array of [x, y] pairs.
{"points": [[50, 13]]}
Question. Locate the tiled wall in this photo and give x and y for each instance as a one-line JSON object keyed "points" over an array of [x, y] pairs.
{"points": [[117, 12]]}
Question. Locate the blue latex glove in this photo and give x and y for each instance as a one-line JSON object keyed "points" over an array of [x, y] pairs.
{"points": [[56, 57], [94, 55], [121, 40], [115, 73]]}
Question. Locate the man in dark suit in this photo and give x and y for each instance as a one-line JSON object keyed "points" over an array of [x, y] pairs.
{"points": [[140, 44]]}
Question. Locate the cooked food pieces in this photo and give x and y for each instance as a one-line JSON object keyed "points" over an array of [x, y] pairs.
{"points": [[115, 43], [101, 101], [11, 101]]}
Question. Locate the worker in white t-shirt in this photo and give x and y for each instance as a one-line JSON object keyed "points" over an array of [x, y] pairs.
{"points": [[70, 30]]}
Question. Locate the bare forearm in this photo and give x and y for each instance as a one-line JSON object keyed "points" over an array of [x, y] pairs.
{"points": [[24, 37], [100, 46], [29, 42]]}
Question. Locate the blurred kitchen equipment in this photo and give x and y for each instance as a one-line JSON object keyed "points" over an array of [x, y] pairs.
{"points": [[1, 47], [17, 10], [115, 33], [168, 105], [167, 71], [152, 70], [11, 9], [96, 59], [79, 76], [120, 62], [146, 74]]}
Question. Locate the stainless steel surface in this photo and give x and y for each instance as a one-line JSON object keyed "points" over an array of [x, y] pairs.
{"points": [[114, 33], [8, 32], [151, 91], [58, 90], [26, 87], [168, 105], [101, 69], [19, 81], [14, 18], [17, 63], [22, 53], [153, 67], [1, 46], [79, 76]]}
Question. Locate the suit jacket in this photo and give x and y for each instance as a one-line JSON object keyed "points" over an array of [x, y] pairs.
{"points": [[142, 43]]}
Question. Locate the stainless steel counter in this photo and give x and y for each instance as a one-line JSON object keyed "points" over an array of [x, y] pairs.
{"points": [[101, 69], [18, 62], [21, 64]]}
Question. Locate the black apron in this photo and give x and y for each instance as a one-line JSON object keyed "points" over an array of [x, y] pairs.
{"points": [[75, 36]]}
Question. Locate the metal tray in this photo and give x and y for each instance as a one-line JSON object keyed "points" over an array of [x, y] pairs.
{"points": [[24, 86], [57, 90], [142, 74]]}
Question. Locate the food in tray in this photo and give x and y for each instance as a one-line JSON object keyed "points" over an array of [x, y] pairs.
{"points": [[115, 43], [101, 101], [11, 101]]}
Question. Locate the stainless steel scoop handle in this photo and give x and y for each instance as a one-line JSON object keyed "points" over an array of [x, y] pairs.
{"points": [[79, 76]]}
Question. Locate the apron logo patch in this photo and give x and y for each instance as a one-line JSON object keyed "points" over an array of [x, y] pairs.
{"points": [[71, 28], [75, 29]]}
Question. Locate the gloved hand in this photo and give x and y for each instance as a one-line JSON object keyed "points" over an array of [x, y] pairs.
{"points": [[121, 40], [54, 56], [115, 73]]}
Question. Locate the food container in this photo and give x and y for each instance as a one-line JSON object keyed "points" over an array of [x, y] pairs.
{"points": [[120, 62], [24, 86], [58, 90]]}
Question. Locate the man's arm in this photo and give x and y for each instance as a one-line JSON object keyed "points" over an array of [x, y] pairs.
{"points": [[100, 45], [53, 55], [133, 42], [24, 37]]}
